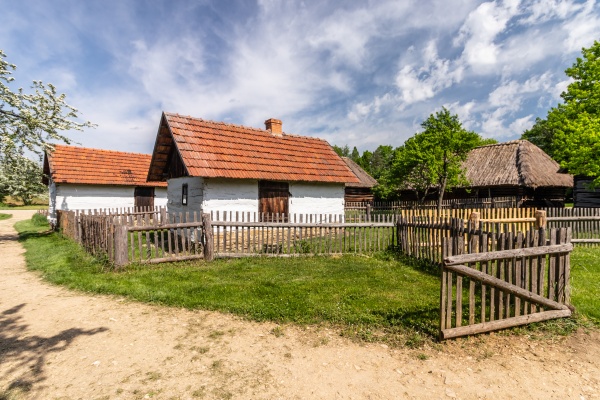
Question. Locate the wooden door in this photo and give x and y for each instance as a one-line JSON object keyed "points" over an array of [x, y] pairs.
{"points": [[144, 197], [273, 198]]}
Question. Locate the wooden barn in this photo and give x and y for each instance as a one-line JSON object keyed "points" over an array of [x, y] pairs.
{"points": [[80, 178], [583, 194], [517, 168], [361, 191], [214, 166]]}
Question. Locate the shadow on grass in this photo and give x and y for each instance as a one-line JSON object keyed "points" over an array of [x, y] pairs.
{"points": [[23, 357], [26, 235], [424, 321]]}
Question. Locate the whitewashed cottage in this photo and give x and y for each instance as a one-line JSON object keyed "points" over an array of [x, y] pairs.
{"points": [[214, 166], [80, 178]]}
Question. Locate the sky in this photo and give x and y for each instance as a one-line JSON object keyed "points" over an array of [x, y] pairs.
{"points": [[361, 73]]}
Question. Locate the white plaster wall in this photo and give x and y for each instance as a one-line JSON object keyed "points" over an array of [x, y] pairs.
{"points": [[51, 200], [160, 197], [315, 198], [230, 195], [195, 195], [87, 197]]}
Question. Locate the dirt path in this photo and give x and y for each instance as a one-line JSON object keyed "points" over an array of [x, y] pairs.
{"points": [[55, 343]]}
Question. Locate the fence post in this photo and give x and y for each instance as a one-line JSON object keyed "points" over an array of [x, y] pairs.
{"points": [[368, 212], [208, 237], [120, 240], [163, 216], [474, 220], [540, 219]]}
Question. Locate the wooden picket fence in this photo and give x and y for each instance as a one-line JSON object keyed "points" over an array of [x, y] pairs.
{"points": [[154, 237], [390, 206], [242, 234], [496, 281], [584, 223]]}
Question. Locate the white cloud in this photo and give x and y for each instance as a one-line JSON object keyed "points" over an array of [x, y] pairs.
{"points": [[544, 10], [417, 84], [519, 125], [583, 28], [478, 34], [510, 95], [465, 112]]}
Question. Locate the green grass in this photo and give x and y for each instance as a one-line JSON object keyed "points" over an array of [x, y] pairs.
{"points": [[366, 296], [4, 206], [370, 298], [5, 216], [585, 274]]}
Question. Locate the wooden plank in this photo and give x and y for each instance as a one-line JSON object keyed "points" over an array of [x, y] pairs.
{"points": [[500, 274], [120, 246], [506, 287], [567, 262], [518, 272], [561, 270], [209, 239], [173, 259], [450, 333], [524, 252], [483, 248]]}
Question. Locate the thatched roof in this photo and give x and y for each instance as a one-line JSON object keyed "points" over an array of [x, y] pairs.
{"points": [[518, 163], [366, 180]]}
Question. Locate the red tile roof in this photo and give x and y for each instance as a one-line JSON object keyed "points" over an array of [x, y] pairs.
{"points": [[218, 150], [80, 165]]}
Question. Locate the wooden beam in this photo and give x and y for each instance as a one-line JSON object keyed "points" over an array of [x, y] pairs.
{"points": [[506, 287], [172, 259], [497, 255], [585, 218], [503, 323]]}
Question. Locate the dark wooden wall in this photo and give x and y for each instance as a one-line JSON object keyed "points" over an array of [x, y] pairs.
{"points": [[583, 196], [358, 195]]}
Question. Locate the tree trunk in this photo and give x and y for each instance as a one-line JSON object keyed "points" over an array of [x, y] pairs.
{"points": [[441, 195]]}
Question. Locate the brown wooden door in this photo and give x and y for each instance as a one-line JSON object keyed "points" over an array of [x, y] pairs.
{"points": [[273, 198], [144, 197]]}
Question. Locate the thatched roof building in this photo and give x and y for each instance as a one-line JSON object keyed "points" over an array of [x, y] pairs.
{"points": [[517, 168], [359, 191]]}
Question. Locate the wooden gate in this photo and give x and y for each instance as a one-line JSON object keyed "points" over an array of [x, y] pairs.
{"points": [[273, 198], [505, 280], [144, 197]]}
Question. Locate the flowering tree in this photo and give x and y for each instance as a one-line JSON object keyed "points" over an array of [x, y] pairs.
{"points": [[20, 178], [29, 121]]}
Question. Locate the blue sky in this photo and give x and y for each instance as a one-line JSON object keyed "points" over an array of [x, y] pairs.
{"points": [[361, 73]]}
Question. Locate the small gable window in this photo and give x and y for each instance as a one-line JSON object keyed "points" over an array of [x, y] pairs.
{"points": [[184, 194]]}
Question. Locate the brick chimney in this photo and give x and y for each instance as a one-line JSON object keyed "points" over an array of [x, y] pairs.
{"points": [[274, 125]]}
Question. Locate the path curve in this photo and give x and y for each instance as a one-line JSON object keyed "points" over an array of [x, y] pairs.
{"points": [[55, 343]]}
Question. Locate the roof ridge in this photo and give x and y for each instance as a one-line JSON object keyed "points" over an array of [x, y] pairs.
{"points": [[101, 150], [240, 126], [510, 142], [214, 122]]}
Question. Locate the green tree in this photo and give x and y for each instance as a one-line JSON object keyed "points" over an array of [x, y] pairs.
{"points": [[568, 125], [433, 159], [355, 155], [341, 151]]}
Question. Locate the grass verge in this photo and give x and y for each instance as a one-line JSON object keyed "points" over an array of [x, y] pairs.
{"points": [[5, 216], [372, 298], [378, 298]]}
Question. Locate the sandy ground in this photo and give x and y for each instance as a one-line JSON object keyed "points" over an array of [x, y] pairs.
{"points": [[55, 343]]}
